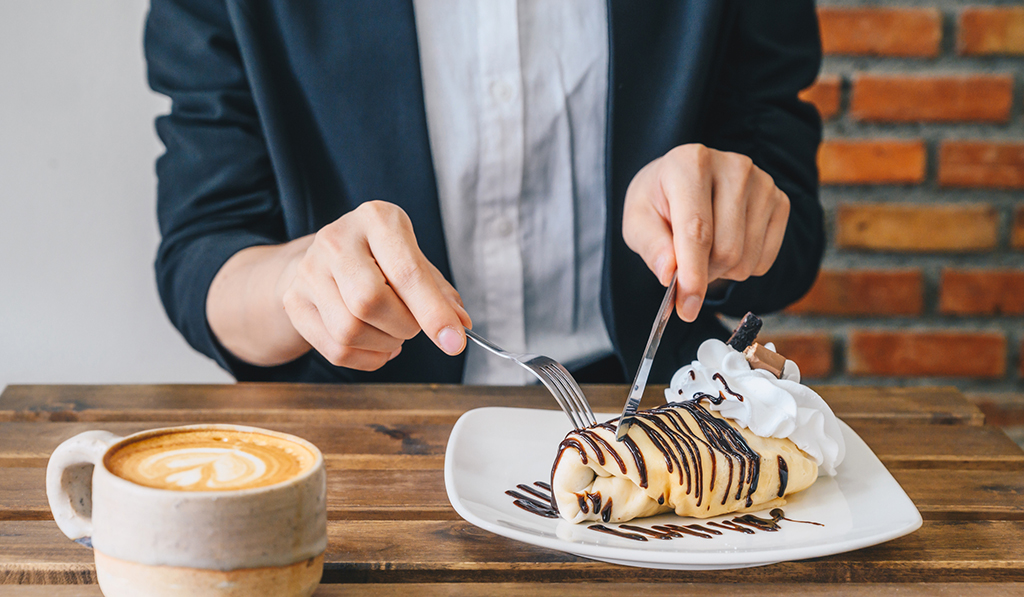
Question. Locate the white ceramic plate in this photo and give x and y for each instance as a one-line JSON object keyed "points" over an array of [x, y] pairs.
{"points": [[491, 450]]}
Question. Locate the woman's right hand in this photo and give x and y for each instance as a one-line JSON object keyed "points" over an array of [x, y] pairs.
{"points": [[354, 292], [363, 287]]}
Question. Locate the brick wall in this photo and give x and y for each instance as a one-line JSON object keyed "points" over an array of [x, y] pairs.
{"points": [[922, 172]]}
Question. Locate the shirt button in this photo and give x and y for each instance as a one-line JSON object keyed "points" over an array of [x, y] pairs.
{"points": [[502, 92]]}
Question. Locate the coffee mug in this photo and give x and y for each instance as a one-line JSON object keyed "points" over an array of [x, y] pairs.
{"points": [[198, 510]]}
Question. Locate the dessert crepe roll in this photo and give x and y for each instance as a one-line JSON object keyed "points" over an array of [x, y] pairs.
{"points": [[677, 458]]}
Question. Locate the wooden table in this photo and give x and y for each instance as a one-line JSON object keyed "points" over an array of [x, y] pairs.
{"points": [[390, 523]]}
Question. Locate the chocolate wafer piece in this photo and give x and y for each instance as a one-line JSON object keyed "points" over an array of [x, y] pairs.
{"points": [[745, 332], [760, 357]]}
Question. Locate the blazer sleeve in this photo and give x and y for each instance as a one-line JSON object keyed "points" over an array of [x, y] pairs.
{"points": [[216, 193], [772, 52]]}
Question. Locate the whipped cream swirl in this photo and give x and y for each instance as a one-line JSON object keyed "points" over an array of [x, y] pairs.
{"points": [[770, 407]]}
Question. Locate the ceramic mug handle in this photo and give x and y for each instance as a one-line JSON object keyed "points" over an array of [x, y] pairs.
{"points": [[69, 482]]}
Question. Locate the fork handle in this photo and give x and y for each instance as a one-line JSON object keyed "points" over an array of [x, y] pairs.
{"points": [[486, 344]]}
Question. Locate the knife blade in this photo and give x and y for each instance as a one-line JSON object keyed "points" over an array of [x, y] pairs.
{"points": [[636, 391]]}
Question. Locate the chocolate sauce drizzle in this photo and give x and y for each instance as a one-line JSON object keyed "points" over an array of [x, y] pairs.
{"points": [[747, 524], [718, 377], [532, 505], [783, 475], [681, 446]]}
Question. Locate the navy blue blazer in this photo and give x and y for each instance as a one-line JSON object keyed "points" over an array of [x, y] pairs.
{"points": [[286, 115]]}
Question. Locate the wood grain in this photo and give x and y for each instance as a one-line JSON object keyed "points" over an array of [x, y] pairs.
{"points": [[420, 494], [604, 590], [435, 551], [351, 494], [634, 589], [964, 494], [456, 551], [402, 445], [33, 443], [386, 403], [391, 523]]}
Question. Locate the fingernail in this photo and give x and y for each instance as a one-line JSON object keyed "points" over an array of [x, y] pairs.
{"points": [[450, 341], [659, 268], [691, 307]]}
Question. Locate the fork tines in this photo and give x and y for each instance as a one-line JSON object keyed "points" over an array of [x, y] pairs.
{"points": [[571, 395]]}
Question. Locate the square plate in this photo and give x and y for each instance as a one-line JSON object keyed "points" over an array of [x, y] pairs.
{"points": [[491, 450]]}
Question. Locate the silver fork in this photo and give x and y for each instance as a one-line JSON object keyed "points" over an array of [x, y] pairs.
{"points": [[555, 378]]}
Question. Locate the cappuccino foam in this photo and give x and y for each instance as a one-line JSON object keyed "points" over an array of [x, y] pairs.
{"points": [[209, 460]]}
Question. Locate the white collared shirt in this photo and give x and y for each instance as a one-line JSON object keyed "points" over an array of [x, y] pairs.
{"points": [[516, 96]]}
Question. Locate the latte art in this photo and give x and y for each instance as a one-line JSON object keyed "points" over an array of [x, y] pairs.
{"points": [[209, 468], [210, 460]]}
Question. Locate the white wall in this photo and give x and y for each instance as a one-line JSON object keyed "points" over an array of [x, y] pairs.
{"points": [[78, 301]]}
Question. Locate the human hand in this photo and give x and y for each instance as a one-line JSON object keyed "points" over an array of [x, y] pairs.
{"points": [[713, 215], [363, 287]]}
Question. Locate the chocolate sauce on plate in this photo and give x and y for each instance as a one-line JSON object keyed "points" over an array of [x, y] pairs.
{"points": [[541, 507], [747, 523]]}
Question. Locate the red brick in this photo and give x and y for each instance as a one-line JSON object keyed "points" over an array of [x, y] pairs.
{"points": [[1017, 234], [900, 98], [982, 292], [939, 354], [824, 94], [812, 352], [917, 228], [988, 30], [881, 31], [981, 164], [863, 292], [871, 162]]}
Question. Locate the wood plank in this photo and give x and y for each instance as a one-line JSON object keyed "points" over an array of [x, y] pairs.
{"points": [[38, 553], [351, 495], [636, 589], [30, 444], [901, 444], [420, 494], [898, 444], [429, 551], [409, 403], [964, 494], [455, 551], [633, 589]]}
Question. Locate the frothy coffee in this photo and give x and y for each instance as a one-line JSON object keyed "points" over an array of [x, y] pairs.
{"points": [[209, 459]]}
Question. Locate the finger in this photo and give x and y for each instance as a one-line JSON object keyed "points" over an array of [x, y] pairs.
{"points": [[409, 273], [366, 293], [646, 226], [688, 185], [319, 285], [775, 233], [342, 325], [306, 319], [733, 184], [452, 295], [760, 201]]}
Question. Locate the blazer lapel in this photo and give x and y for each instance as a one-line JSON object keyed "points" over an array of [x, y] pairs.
{"points": [[659, 68], [350, 75]]}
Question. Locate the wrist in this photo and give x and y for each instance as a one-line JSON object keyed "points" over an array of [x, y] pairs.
{"points": [[245, 308], [287, 265]]}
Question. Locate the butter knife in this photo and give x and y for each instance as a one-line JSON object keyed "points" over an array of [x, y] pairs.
{"points": [[636, 392]]}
